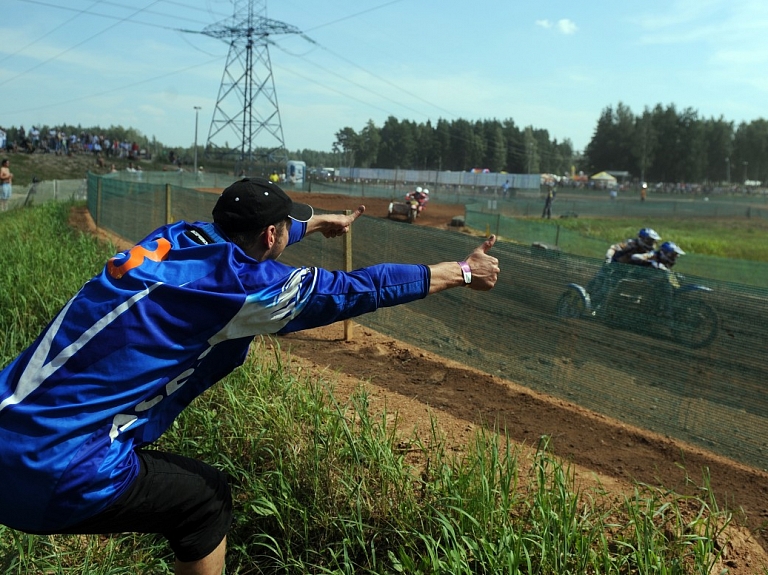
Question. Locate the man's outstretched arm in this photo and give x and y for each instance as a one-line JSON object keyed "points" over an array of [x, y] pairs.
{"points": [[333, 225], [484, 269]]}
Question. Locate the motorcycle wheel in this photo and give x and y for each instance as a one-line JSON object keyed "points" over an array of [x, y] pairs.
{"points": [[694, 323], [570, 305], [411, 216]]}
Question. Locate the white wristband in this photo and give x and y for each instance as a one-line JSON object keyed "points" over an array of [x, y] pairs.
{"points": [[467, 271]]}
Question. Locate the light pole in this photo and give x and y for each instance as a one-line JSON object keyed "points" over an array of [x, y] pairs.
{"points": [[197, 112]]}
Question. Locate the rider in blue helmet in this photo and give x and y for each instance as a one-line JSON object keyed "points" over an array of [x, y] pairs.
{"points": [[622, 252], [663, 285], [663, 258]]}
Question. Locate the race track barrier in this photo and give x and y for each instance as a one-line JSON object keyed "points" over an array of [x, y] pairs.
{"points": [[630, 370]]}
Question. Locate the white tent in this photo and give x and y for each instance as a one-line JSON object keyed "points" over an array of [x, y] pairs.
{"points": [[603, 177], [603, 180]]}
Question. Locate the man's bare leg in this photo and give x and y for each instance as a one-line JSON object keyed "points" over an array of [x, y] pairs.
{"points": [[211, 564]]}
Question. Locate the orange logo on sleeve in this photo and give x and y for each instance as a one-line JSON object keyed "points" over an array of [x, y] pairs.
{"points": [[136, 257]]}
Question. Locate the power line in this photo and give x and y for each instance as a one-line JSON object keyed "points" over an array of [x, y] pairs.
{"points": [[35, 41], [112, 90], [76, 45], [365, 88], [118, 18], [325, 86], [353, 15], [344, 59]]}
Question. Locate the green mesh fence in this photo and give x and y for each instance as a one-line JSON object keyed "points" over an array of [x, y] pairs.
{"points": [[687, 364], [47, 191], [438, 193], [572, 202], [180, 179], [524, 231]]}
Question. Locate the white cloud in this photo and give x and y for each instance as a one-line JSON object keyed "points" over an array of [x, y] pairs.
{"points": [[566, 26]]}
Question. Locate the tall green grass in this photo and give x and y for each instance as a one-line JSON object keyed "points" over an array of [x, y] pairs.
{"points": [[323, 485], [43, 262]]}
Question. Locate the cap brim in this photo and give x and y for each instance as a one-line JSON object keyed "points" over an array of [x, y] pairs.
{"points": [[301, 212]]}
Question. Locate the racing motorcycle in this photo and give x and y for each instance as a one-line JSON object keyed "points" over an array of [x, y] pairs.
{"points": [[409, 210], [638, 299]]}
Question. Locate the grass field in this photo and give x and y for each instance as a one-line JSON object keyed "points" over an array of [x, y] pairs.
{"points": [[745, 239], [323, 486]]}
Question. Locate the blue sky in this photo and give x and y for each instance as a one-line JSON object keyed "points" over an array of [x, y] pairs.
{"points": [[551, 64]]}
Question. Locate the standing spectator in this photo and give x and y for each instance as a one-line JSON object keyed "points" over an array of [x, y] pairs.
{"points": [[547, 213], [505, 189], [53, 140], [156, 328], [35, 135], [6, 184], [643, 191], [62, 142]]}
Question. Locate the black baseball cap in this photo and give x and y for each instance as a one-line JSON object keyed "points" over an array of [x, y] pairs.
{"points": [[254, 204]]}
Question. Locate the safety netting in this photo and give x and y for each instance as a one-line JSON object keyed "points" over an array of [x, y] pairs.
{"points": [[680, 355]]}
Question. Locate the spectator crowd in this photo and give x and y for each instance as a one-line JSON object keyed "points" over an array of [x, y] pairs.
{"points": [[58, 141]]}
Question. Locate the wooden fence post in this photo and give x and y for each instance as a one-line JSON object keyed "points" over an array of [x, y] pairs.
{"points": [[168, 217], [347, 246], [98, 201]]}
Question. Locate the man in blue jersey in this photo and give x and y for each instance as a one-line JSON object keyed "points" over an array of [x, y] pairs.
{"points": [[158, 326]]}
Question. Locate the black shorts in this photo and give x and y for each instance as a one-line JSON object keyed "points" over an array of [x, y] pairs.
{"points": [[187, 501]]}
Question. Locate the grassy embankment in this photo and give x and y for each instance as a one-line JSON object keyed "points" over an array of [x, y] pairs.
{"points": [[322, 486], [52, 167]]}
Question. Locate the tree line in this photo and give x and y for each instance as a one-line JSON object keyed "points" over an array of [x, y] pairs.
{"points": [[458, 145], [665, 144], [662, 144]]}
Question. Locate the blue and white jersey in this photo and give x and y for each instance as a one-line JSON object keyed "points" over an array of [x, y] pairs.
{"points": [[157, 327]]}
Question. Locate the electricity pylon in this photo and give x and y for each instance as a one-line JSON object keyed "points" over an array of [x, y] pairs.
{"points": [[247, 108]]}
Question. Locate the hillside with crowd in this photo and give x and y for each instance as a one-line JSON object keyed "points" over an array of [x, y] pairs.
{"points": [[60, 141]]}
